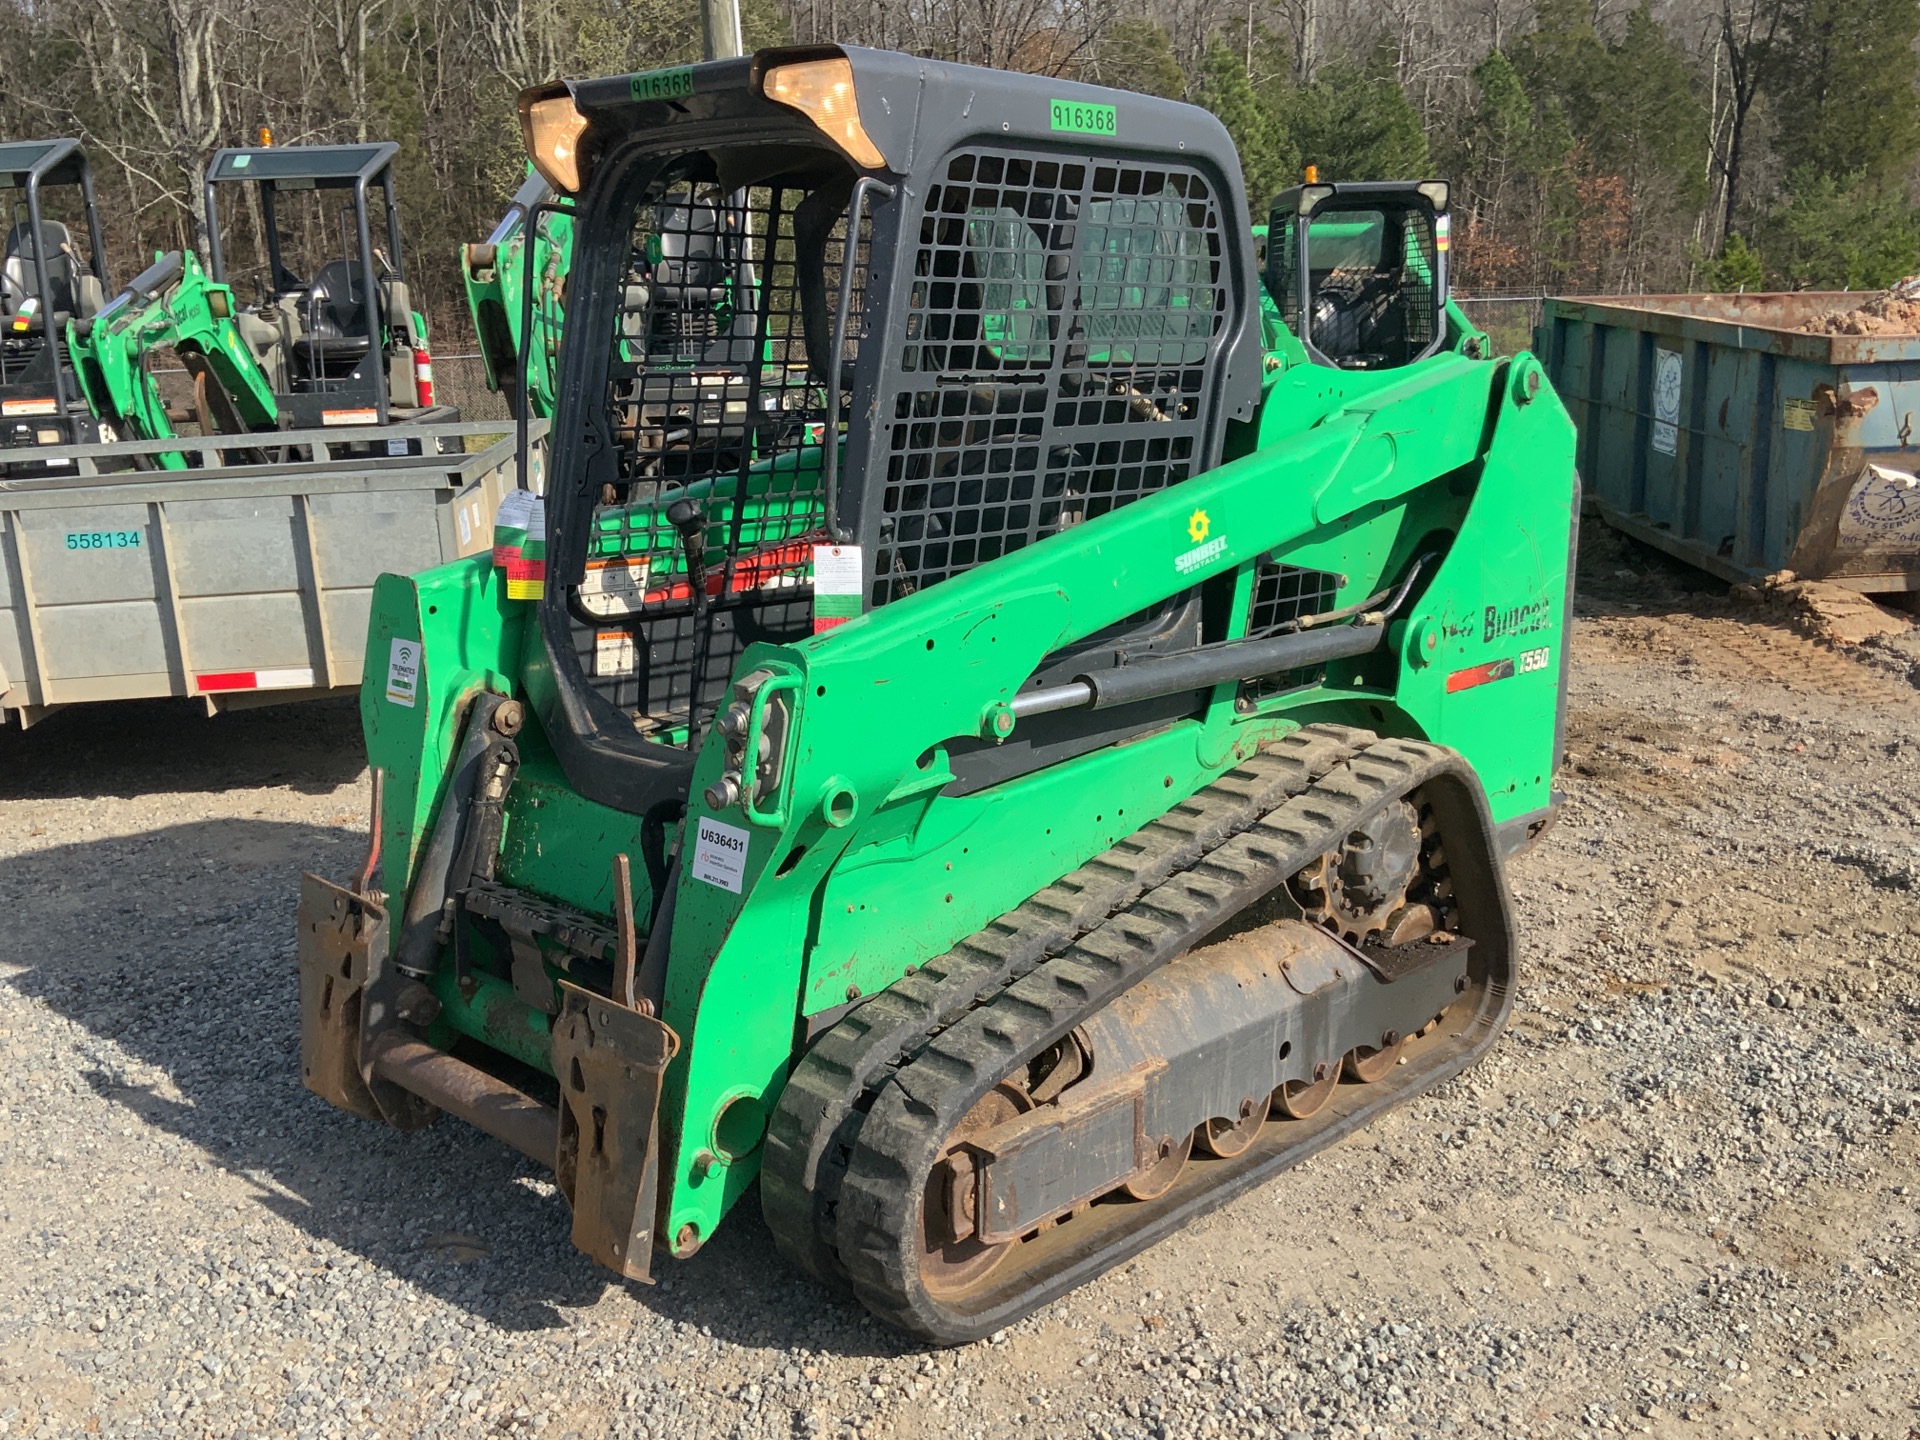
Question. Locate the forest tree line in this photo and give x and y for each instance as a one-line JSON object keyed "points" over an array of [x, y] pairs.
{"points": [[1594, 145]]}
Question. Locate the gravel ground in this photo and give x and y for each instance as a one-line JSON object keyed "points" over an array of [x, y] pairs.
{"points": [[1679, 1199]]}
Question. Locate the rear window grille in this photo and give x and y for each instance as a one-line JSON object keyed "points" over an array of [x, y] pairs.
{"points": [[1374, 284], [716, 394], [1057, 356], [1283, 594]]}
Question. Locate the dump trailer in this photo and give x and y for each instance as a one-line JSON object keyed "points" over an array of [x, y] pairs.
{"points": [[1057, 774], [45, 284], [124, 576]]}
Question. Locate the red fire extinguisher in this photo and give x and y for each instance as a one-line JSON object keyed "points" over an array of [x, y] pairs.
{"points": [[422, 377]]}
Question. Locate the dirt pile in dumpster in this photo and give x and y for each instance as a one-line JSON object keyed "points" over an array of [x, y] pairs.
{"points": [[1895, 311]]}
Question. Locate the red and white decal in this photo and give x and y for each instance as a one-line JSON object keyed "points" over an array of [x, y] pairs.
{"points": [[221, 680], [1479, 675], [1529, 661]]}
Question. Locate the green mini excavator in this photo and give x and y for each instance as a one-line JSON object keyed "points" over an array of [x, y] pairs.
{"points": [[172, 303], [1043, 765]]}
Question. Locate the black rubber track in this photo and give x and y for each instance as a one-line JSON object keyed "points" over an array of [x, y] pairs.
{"points": [[811, 1134], [921, 1102]]}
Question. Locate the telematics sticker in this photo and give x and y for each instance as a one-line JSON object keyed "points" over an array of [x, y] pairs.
{"points": [[1079, 119], [403, 672], [720, 855]]}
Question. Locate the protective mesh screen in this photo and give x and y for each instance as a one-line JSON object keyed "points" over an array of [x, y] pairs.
{"points": [[718, 403], [1055, 356], [1281, 595]]}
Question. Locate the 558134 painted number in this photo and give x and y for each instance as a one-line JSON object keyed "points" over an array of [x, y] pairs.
{"points": [[103, 539]]}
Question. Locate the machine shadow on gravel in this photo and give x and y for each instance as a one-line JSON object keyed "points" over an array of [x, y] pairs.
{"points": [[147, 747], [176, 946]]}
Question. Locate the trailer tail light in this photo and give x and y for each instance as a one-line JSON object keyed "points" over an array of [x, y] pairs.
{"points": [[422, 377]]}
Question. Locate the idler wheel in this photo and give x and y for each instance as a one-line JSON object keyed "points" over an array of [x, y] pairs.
{"points": [[947, 1265]]}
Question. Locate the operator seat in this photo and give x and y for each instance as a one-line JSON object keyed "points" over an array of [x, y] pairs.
{"points": [[340, 324], [77, 292]]}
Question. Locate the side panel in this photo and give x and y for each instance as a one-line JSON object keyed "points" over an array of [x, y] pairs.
{"points": [[432, 641]]}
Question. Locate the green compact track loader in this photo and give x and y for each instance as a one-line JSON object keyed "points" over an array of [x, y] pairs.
{"points": [[1043, 765]]}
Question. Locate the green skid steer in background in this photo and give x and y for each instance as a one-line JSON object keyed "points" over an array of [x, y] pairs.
{"points": [[1042, 766]]}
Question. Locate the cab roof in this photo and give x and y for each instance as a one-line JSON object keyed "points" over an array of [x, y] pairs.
{"points": [[304, 167], [915, 110], [54, 162]]}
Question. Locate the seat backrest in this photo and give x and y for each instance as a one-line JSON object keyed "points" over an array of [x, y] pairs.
{"points": [[337, 304], [24, 260]]}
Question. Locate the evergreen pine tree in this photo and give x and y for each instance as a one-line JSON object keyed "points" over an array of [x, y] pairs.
{"points": [[1841, 74], [1267, 158], [1356, 123]]}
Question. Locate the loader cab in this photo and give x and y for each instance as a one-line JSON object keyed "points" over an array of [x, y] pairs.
{"points": [[1358, 272], [47, 280], [817, 365], [330, 320]]}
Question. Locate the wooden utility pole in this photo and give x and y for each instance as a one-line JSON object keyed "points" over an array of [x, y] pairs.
{"points": [[720, 22]]}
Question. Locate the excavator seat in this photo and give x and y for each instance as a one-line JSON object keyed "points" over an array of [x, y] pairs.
{"points": [[339, 324], [77, 292]]}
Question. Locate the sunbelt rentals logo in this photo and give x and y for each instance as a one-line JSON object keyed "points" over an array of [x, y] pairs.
{"points": [[1199, 527]]}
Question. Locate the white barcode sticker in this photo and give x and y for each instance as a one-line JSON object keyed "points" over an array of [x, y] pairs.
{"points": [[720, 855]]}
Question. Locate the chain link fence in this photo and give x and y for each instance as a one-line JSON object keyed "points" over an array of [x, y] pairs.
{"points": [[1508, 317], [461, 380]]}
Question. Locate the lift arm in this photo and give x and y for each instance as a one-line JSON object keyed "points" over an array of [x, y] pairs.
{"points": [[172, 302]]}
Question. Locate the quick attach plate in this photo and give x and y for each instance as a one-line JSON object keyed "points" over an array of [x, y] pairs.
{"points": [[344, 977], [610, 1062]]}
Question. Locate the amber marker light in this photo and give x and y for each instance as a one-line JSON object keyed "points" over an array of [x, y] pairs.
{"points": [[554, 128], [822, 90]]}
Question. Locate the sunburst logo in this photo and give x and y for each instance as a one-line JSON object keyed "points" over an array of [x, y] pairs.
{"points": [[1197, 526]]}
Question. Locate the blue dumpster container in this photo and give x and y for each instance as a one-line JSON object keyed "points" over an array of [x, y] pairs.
{"points": [[1721, 429]]}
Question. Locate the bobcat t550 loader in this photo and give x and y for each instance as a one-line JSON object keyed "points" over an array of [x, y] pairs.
{"points": [[1053, 773]]}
